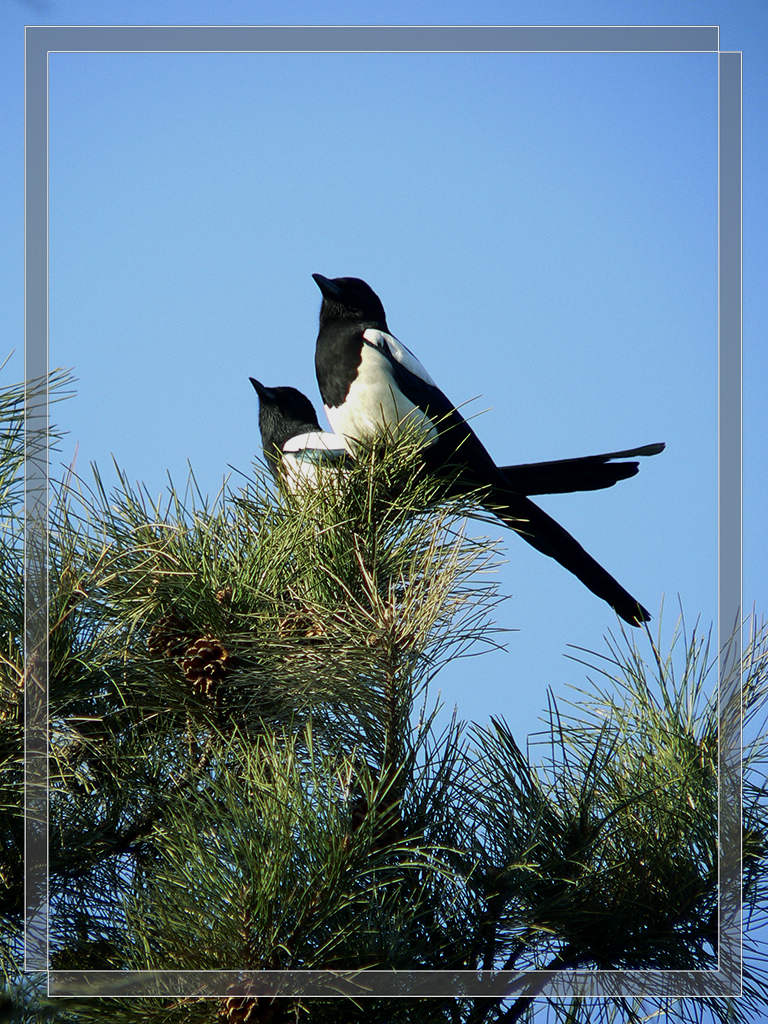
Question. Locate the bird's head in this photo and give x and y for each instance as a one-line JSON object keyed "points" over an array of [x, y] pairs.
{"points": [[284, 413], [349, 298]]}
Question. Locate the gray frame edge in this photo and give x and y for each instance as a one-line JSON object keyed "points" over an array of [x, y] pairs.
{"points": [[730, 607], [35, 505], [379, 38]]}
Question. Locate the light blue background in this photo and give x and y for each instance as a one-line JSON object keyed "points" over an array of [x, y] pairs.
{"points": [[540, 227]]}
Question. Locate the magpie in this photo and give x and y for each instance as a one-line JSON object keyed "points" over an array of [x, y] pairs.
{"points": [[369, 382], [295, 448], [285, 414]]}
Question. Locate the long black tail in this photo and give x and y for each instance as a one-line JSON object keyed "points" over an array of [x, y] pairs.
{"points": [[547, 536], [588, 473]]}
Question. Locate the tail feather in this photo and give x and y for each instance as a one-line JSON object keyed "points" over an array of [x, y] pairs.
{"points": [[588, 473], [548, 537]]}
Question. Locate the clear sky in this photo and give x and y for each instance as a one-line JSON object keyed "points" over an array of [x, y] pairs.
{"points": [[541, 229]]}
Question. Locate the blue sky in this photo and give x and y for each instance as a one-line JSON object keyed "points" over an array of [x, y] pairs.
{"points": [[541, 229]]}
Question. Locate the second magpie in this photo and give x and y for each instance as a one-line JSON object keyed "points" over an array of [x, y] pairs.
{"points": [[294, 445]]}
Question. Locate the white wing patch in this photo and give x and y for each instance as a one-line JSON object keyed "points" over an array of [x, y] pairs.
{"points": [[305, 456], [319, 441], [374, 402], [399, 352]]}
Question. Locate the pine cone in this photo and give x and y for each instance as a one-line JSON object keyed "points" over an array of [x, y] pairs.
{"points": [[290, 624], [204, 664], [301, 624], [168, 637]]}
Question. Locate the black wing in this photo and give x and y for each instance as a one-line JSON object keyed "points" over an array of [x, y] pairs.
{"points": [[457, 445], [459, 449]]}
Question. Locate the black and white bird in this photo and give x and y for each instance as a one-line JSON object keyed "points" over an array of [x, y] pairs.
{"points": [[295, 447], [369, 382]]}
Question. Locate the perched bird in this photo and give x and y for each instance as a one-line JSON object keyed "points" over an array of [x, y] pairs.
{"points": [[370, 381], [288, 417], [294, 445]]}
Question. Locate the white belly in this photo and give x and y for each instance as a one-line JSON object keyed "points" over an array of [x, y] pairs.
{"points": [[374, 404]]}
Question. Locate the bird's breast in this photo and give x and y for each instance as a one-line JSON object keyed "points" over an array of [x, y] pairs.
{"points": [[374, 402]]}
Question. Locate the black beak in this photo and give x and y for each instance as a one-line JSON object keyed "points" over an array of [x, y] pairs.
{"points": [[261, 391], [328, 287]]}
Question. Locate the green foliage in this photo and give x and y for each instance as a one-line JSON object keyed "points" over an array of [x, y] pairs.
{"points": [[246, 771], [614, 840]]}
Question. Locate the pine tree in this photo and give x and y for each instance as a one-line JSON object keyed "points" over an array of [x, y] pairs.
{"points": [[247, 770]]}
